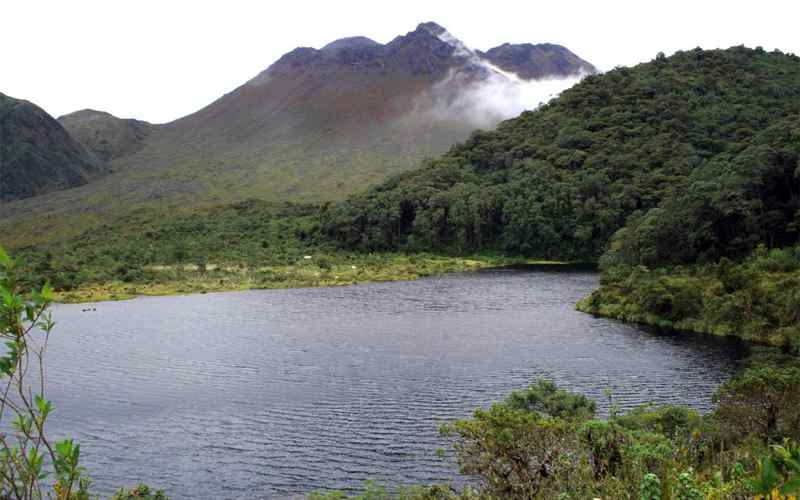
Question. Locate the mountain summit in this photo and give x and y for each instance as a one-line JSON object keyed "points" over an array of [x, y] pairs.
{"points": [[354, 111]]}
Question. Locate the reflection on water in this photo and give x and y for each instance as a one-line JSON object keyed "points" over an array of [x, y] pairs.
{"points": [[270, 394]]}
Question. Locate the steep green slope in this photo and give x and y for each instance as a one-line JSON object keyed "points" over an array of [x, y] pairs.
{"points": [[37, 155], [559, 182]]}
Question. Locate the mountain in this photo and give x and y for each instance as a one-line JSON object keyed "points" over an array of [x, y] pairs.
{"points": [[347, 114], [107, 136], [37, 155], [316, 125]]}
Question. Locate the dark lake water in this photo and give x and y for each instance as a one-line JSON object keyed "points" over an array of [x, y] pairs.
{"points": [[274, 393]]}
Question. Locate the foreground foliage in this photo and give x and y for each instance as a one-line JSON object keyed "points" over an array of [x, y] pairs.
{"points": [[32, 464], [743, 449], [546, 443]]}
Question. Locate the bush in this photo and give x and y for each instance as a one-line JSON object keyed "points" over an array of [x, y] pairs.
{"points": [[530, 454], [763, 401], [546, 398], [26, 452], [141, 492]]}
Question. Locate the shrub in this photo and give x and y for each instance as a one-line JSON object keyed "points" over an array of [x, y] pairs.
{"points": [[141, 492], [28, 456], [517, 453], [764, 401], [546, 398], [650, 488]]}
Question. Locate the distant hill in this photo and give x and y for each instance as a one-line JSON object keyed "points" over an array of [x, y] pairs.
{"points": [[316, 125], [107, 136], [37, 155]]}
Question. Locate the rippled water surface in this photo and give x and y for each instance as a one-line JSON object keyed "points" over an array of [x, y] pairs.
{"points": [[271, 394]]}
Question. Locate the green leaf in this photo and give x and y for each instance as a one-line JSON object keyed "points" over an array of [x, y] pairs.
{"points": [[45, 406], [64, 448], [47, 292], [5, 260]]}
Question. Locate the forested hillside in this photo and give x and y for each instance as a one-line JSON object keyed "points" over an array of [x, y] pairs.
{"points": [[697, 153]]}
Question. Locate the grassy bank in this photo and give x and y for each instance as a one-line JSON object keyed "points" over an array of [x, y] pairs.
{"points": [[307, 271], [757, 300]]}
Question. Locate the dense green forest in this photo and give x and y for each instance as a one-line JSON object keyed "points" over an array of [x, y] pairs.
{"points": [[757, 299], [706, 141]]}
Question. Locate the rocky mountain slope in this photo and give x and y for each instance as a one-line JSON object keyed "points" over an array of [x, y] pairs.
{"points": [[37, 155]]}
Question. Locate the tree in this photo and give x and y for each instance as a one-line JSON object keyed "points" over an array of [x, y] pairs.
{"points": [[546, 398], [763, 401], [519, 454]]}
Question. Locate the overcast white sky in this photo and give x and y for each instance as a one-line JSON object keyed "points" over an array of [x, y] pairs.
{"points": [[158, 60]]}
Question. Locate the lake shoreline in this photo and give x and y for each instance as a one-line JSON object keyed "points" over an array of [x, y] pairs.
{"points": [[313, 272]]}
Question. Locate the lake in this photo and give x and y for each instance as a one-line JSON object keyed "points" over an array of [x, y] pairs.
{"points": [[274, 393]]}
